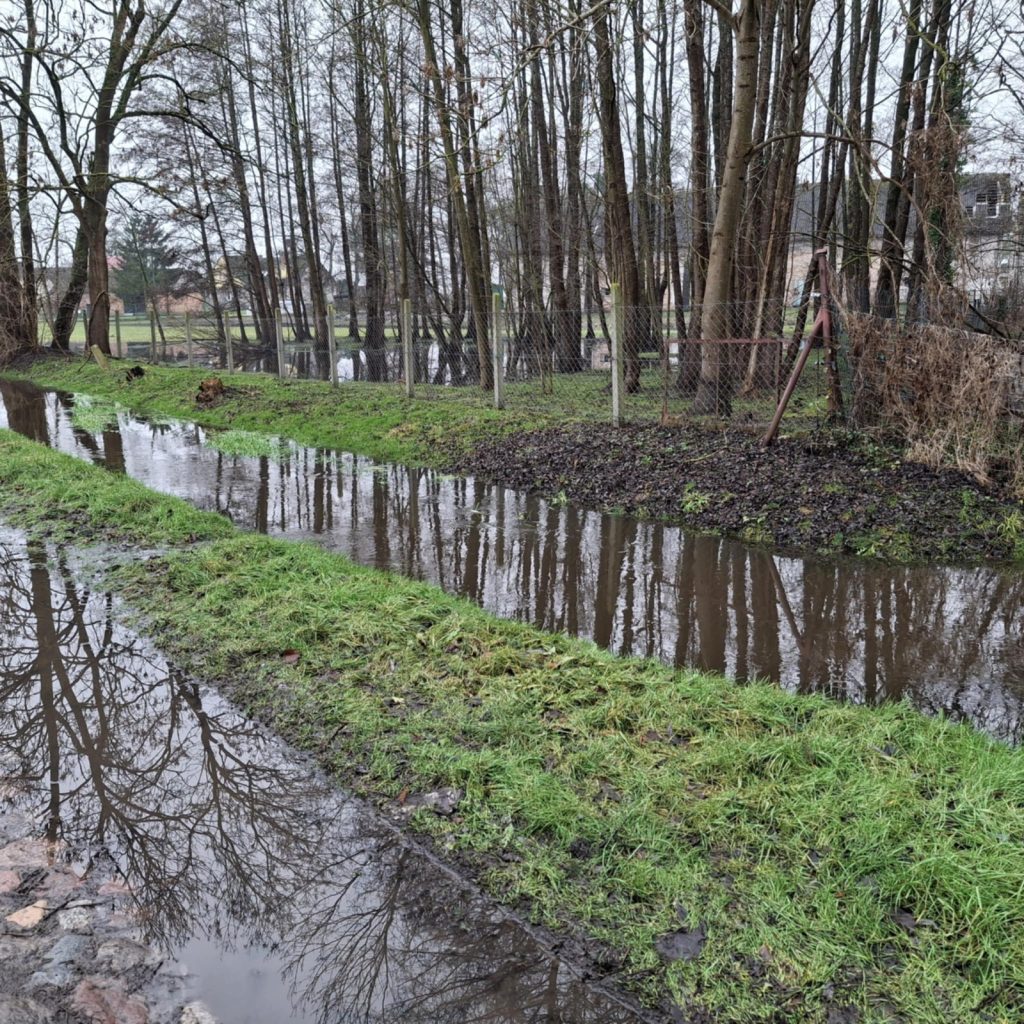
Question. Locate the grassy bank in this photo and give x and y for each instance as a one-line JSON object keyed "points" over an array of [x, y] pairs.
{"points": [[369, 419], [819, 862]]}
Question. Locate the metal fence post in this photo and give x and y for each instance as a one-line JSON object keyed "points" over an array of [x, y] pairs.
{"points": [[117, 332], [407, 366], [228, 343], [152, 335], [618, 331], [332, 346], [188, 340], [498, 351]]}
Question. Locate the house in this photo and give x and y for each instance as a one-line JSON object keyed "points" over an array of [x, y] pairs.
{"points": [[990, 255], [52, 283]]}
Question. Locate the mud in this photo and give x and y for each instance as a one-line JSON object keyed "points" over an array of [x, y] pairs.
{"points": [[830, 493]]}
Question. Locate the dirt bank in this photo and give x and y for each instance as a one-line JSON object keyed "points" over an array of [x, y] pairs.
{"points": [[827, 492]]}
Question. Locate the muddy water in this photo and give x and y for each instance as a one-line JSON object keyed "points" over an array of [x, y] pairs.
{"points": [[282, 898], [947, 639]]}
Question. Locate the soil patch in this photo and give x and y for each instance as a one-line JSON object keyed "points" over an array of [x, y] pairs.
{"points": [[68, 948], [827, 492]]}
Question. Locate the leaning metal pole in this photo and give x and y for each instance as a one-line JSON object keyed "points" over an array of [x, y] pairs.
{"points": [[822, 329]]}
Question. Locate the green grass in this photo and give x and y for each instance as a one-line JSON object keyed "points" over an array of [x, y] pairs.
{"points": [[370, 419], [62, 498], [245, 442], [605, 793]]}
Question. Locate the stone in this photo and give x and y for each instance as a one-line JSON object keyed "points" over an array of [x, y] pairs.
{"points": [[28, 917], [682, 944], [13, 947], [60, 882], [118, 956], [26, 853], [104, 1001], [55, 976], [443, 802], [9, 881], [76, 919], [22, 1010], [68, 949], [196, 1013]]}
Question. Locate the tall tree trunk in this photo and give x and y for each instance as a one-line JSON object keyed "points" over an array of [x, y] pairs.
{"points": [[13, 338], [254, 270], [462, 183], [305, 201], [700, 187], [619, 244], [28, 266], [78, 278], [373, 263], [859, 206], [893, 224], [714, 388]]}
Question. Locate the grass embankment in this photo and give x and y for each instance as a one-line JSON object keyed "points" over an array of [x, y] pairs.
{"points": [[370, 419], [821, 862]]}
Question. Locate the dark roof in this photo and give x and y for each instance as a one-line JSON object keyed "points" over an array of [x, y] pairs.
{"points": [[986, 196]]}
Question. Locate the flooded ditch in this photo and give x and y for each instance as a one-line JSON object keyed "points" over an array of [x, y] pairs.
{"points": [[278, 897], [947, 639]]}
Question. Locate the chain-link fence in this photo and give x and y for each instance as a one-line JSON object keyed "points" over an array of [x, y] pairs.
{"points": [[952, 396], [613, 363]]}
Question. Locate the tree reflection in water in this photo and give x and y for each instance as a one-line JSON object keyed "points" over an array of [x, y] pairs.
{"points": [[222, 834]]}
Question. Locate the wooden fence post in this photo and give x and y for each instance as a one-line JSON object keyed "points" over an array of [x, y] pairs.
{"points": [[618, 331], [229, 344], [152, 335], [279, 335], [188, 339], [332, 346], [117, 332], [406, 328], [498, 351]]}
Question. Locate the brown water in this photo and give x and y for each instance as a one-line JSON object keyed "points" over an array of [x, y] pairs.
{"points": [[284, 900], [947, 639]]}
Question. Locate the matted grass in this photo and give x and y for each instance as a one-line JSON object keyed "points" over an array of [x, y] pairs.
{"points": [[835, 857]]}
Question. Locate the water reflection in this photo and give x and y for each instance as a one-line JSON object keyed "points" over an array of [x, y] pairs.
{"points": [[236, 852], [947, 639]]}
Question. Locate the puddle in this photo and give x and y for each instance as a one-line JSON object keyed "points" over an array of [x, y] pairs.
{"points": [[946, 639], [282, 899]]}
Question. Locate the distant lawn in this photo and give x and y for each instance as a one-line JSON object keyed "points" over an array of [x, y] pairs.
{"points": [[135, 329]]}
